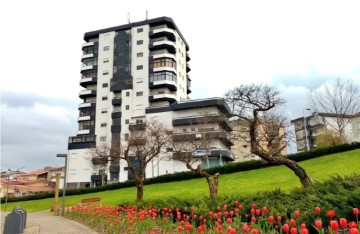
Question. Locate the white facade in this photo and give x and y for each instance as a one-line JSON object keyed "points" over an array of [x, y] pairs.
{"points": [[134, 73]]}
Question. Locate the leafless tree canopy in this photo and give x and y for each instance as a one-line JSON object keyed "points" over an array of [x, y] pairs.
{"points": [[340, 97], [144, 143], [257, 106]]}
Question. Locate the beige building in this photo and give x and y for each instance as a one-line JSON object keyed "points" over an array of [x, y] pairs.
{"points": [[241, 137]]}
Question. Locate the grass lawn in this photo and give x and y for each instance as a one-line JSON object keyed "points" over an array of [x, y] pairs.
{"points": [[241, 183]]}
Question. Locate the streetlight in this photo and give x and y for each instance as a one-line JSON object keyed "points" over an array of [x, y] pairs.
{"points": [[306, 135], [64, 186]]}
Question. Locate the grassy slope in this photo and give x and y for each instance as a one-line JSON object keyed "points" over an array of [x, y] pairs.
{"points": [[243, 183]]}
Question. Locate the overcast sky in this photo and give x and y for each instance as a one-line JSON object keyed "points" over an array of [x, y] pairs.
{"points": [[292, 45]]}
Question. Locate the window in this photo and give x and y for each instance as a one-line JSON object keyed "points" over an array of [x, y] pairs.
{"points": [[169, 149], [184, 130], [103, 125], [193, 129], [104, 85], [127, 107], [104, 98], [106, 48], [139, 30], [139, 94], [139, 55], [164, 62], [162, 76], [139, 121], [106, 61], [139, 42], [126, 136], [103, 138], [140, 67], [126, 121], [127, 94], [105, 72], [103, 111]]}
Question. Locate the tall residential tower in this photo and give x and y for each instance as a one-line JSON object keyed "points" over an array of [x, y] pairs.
{"points": [[131, 73]]}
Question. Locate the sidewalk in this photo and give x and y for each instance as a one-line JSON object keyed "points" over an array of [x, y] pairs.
{"points": [[45, 222]]}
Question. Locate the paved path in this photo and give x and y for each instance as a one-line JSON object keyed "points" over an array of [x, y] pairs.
{"points": [[46, 223]]}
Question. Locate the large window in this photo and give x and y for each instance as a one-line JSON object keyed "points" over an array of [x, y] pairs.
{"points": [[89, 74], [165, 75], [164, 62], [90, 50], [86, 125], [90, 62], [87, 113]]}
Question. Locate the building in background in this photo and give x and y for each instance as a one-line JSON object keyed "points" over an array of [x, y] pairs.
{"points": [[307, 128], [130, 74]]}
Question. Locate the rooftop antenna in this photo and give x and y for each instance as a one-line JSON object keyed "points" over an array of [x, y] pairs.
{"points": [[146, 14], [128, 17]]}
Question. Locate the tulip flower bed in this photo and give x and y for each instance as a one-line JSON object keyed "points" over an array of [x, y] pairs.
{"points": [[232, 218]]}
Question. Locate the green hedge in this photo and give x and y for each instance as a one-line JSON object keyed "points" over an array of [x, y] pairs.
{"points": [[179, 176]]}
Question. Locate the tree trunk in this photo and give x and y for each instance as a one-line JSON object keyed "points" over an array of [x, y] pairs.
{"points": [[139, 190], [292, 165], [213, 182]]}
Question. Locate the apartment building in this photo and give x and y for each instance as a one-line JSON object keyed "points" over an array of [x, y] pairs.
{"points": [[307, 128], [131, 74]]}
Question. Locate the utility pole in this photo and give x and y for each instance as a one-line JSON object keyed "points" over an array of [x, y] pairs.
{"points": [[305, 128]]}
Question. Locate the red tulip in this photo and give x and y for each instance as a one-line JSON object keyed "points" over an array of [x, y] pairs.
{"points": [[292, 222], [352, 225], [279, 218], [253, 219], [236, 203], [271, 219], [334, 225], [318, 224], [331, 213], [317, 210], [343, 222], [286, 228], [253, 205], [245, 228], [304, 231], [356, 211], [265, 210], [231, 213], [255, 231], [354, 231], [257, 212], [293, 230], [229, 220], [297, 214], [303, 226], [252, 211], [180, 229], [188, 227]]}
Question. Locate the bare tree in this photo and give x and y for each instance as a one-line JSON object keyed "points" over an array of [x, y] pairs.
{"points": [[194, 148], [340, 97], [145, 142], [256, 105]]}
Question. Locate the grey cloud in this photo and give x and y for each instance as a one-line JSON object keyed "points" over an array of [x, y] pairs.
{"points": [[31, 139]]}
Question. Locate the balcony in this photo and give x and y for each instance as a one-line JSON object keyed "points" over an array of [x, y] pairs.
{"points": [[87, 93], [83, 131], [87, 105], [171, 85], [205, 119], [137, 126], [88, 81], [163, 55], [82, 142], [87, 44], [160, 45], [98, 178], [188, 68], [160, 69], [116, 114], [221, 135], [85, 68], [116, 101], [161, 32], [201, 103], [188, 86], [225, 154], [85, 56], [84, 118], [137, 141], [187, 57], [168, 97]]}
